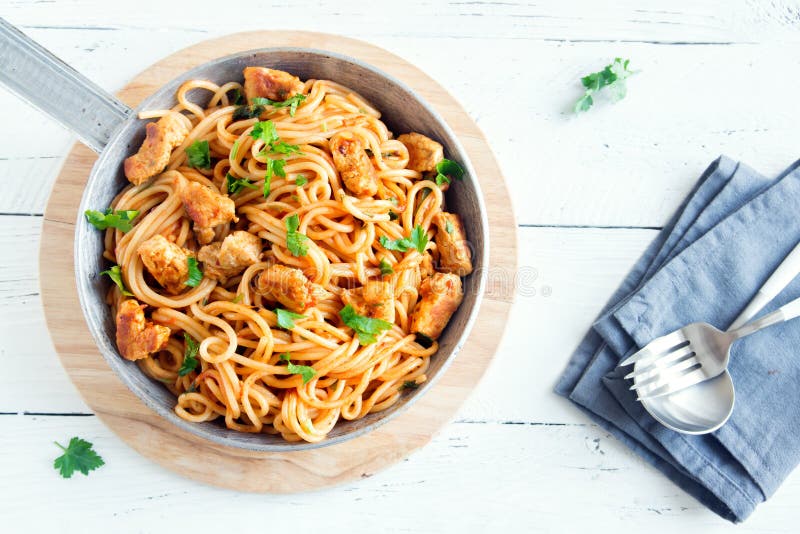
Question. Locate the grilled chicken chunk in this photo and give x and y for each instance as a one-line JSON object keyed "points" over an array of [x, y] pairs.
{"points": [[269, 83], [290, 287], [423, 153], [353, 164], [374, 299], [166, 261], [206, 208], [441, 295], [231, 256], [153, 155], [451, 240], [426, 266], [137, 337]]}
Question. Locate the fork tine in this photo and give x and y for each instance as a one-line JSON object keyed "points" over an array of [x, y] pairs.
{"points": [[664, 376], [662, 363], [656, 347], [689, 379]]}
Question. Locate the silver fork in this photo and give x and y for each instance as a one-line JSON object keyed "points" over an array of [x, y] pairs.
{"points": [[699, 352]]}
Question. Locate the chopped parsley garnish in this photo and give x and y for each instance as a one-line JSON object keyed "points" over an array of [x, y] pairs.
{"points": [[274, 168], [247, 112], [448, 226], [446, 170], [611, 77], [386, 267], [121, 220], [287, 318], [78, 456], [291, 103], [303, 370], [115, 273], [393, 216], [366, 328], [190, 361], [300, 180], [295, 241], [280, 147], [238, 97], [236, 184], [198, 154], [409, 384], [235, 149], [265, 130], [424, 340], [195, 274], [417, 240], [237, 299]]}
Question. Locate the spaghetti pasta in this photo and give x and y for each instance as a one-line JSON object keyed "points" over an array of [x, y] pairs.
{"points": [[285, 259]]}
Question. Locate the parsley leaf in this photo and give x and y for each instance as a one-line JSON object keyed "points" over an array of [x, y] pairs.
{"points": [[78, 456], [190, 362], [235, 149], [386, 267], [291, 103], [121, 220], [409, 384], [238, 298], [446, 170], [281, 147], [236, 184], [265, 130], [417, 240], [448, 226], [198, 154], [247, 112], [195, 274], [393, 216], [300, 180], [366, 328], [115, 273], [274, 168], [287, 318], [612, 77], [295, 241], [238, 97], [303, 370]]}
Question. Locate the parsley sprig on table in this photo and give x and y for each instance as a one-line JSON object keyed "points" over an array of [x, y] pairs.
{"points": [[612, 78], [78, 456]]}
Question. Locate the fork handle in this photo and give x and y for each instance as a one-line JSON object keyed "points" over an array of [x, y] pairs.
{"points": [[786, 312]]}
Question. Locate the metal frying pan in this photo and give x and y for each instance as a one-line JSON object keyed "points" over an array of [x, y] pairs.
{"points": [[112, 129]]}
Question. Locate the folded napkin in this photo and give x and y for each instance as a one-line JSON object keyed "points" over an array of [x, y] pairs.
{"points": [[729, 235]]}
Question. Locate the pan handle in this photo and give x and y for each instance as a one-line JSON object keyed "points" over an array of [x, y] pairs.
{"points": [[50, 85]]}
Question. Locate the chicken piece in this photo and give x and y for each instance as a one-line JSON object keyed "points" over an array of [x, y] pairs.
{"points": [[374, 299], [161, 137], [137, 337], [231, 256], [426, 266], [423, 152], [353, 164], [270, 83], [206, 208], [166, 261], [290, 287], [441, 295], [451, 240]]}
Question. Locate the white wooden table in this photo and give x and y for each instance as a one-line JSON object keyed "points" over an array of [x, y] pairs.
{"points": [[591, 192]]}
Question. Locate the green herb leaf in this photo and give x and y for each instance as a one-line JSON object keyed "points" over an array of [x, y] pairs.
{"points": [[448, 226], [195, 274], [303, 370], [237, 299], [190, 361], [287, 318], [280, 147], [265, 130], [121, 220], [446, 170], [198, 154], [247, 112], [612, 77], [234, 185], [115, 273], [300, 181], [386, 267], [366, 328], [274, 168], [235, 150], [296, 242], [423, 340], [291, 103], [78, 456], [419, 238], [238, 97], [393, 216], [409, 384]]}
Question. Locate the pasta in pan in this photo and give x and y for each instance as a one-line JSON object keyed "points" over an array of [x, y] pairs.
{"points": [[280, 260]]}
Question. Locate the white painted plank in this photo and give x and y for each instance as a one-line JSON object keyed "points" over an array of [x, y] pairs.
{"points": [[627, 164], [471, 478]]}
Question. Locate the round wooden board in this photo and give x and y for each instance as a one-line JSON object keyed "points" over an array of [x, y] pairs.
{"points": [[307, 470]]}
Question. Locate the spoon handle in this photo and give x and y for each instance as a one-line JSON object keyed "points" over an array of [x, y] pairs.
{"points": [[52, 86]]}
